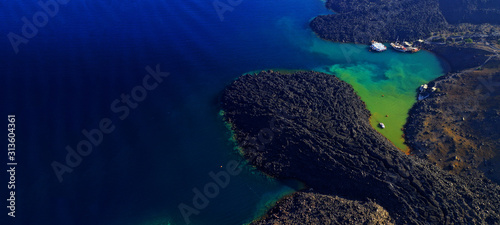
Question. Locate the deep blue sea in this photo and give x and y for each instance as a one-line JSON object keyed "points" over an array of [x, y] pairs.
{"points": [[86, 65]]}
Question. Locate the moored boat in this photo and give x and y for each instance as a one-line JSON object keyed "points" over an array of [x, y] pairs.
{"points": [[398, 47], [377, 46], [404, 47], [410, 48]]}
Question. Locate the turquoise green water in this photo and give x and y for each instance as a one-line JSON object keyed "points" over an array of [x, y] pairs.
{"points": [[386, 82]]}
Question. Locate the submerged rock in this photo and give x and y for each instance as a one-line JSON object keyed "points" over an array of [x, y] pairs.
{"points": [[313, 127], [309, 208]]}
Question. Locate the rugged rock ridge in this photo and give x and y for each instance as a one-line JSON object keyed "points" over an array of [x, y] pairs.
{"points": [[364, 20], [386, 20], [320, 135]]}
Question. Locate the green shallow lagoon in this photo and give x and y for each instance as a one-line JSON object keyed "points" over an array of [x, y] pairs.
{"points": [[385, 81], [394, 75]]}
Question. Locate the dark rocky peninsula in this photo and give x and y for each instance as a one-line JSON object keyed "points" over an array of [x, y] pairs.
{"points": [[386, 20], [313, 127], [364, 20]]}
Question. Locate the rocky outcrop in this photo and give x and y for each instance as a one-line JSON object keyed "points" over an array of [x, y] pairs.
{"points": [[364, 20], [309, 208], [386, 20], [313, 127]]}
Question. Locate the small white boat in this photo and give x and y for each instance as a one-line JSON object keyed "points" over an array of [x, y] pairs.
{"points": [[382, 125], [377, 46]]}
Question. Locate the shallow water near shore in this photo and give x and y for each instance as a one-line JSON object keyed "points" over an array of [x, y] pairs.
{"points": [[65, 79]]}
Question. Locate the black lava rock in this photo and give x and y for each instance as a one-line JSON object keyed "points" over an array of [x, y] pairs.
{"points": [[364, 20], [361, 21]]}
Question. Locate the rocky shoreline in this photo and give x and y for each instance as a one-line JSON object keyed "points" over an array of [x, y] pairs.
{"points": [[321, 136]]}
